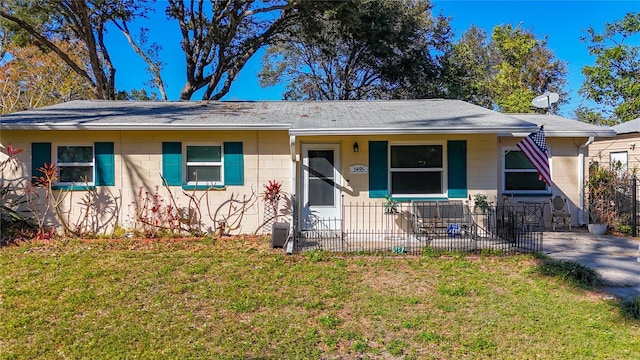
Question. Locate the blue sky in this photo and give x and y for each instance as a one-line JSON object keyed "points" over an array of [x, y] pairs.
{"points": [[563, 22]]}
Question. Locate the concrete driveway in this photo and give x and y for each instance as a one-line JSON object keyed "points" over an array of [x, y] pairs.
{"points": [[614, 258]]}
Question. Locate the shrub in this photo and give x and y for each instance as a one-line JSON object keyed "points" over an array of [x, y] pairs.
{"points": [[631, 308], [15, 225], [607, 192], [571, 271]]}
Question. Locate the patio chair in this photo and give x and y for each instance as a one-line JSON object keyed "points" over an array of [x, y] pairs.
{"points": [[560, 211]]}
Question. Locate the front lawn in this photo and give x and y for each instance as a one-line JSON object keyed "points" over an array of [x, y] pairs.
{"points": [[240, 299]]}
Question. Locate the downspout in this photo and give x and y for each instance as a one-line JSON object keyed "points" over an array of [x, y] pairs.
{"points": [[581, 174], [294, 201]]}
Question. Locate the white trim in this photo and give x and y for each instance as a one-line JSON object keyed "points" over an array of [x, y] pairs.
{"points": [[294, 194], [613, 154], [503, 152], [581, 178], [143, 126], [560, 133], [499, 131], [338, 180], [442, 170], [186, 164], [410, 130], [59, 164]]}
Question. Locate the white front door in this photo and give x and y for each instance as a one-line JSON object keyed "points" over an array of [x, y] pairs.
{"points": [[321, 187]]}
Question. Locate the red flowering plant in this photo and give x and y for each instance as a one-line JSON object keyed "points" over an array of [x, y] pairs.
{"points": [[12, 159], [271, 196], [272, 192]]}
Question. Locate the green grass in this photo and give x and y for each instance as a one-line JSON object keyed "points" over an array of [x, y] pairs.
{"points": [[230, 299]]}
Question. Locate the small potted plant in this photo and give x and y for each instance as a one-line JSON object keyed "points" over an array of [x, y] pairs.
{"points": [[390, 206], [480, 201]]}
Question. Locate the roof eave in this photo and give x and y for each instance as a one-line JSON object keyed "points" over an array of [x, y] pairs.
{"points": [[405, 131], [163, 127], [568, 133]]}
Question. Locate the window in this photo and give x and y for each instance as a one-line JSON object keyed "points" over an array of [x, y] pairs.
{"points": [[75, 164], [204, 164], [618, 162], [520, 176], [417, 170]]}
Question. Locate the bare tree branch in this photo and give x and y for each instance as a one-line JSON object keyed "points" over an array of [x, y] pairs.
{"points": [[45, 42], [154, 66]]}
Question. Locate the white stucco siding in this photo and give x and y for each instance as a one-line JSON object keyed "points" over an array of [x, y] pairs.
{"points": [[481, 160], [564, 165]]}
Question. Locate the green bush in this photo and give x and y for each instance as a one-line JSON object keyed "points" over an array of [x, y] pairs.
{"points": [[571, 271], [631, 308], [14, 224]]}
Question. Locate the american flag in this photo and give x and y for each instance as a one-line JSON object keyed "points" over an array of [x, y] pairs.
{"points": [[534, 148]]}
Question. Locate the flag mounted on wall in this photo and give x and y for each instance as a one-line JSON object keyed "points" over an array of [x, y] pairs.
{"points": [[534, 147]]}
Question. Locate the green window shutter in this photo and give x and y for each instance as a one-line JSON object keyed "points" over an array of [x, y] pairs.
{"points": [[172, 163], [40, 154], [457, 168], [105, 164], [233, 164], [378, 169]]}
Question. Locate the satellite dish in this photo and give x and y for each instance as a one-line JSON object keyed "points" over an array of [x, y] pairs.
{"points": [[545, 100]]}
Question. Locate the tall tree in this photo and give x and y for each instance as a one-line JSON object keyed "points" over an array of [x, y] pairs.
{"points": [[591, 116], [40, 22], [218, 38], [33, 78], [468, 68], [3, 42], [526, 68], [613, 81], [357, 50], [504, 72]]}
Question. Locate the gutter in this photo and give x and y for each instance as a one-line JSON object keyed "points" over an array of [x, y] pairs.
{"points": [[293, 227], [144, 126], [581, 174], [409, 130], [565, 133]]}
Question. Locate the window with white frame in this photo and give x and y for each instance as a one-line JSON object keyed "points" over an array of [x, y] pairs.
{"points": [[75, 164], [204, 164], [519, 175], [618, 162], [417, 170]]}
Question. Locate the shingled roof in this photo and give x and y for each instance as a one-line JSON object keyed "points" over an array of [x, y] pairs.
{"points": [[628, 127], [427, 116], [558, 126]]}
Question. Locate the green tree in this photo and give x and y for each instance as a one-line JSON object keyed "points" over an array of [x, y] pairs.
{"points": [[83, 22], [526, 68], [613, 82], [218, 39], [591, 116], [468, 68], [136, 95], [358, 50], [505, 72]]}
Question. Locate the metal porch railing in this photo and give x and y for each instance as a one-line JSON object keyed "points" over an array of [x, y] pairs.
{"points": [[366, 227]]}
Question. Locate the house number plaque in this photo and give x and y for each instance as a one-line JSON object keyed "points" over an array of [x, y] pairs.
{"points": [[358, 169]]}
